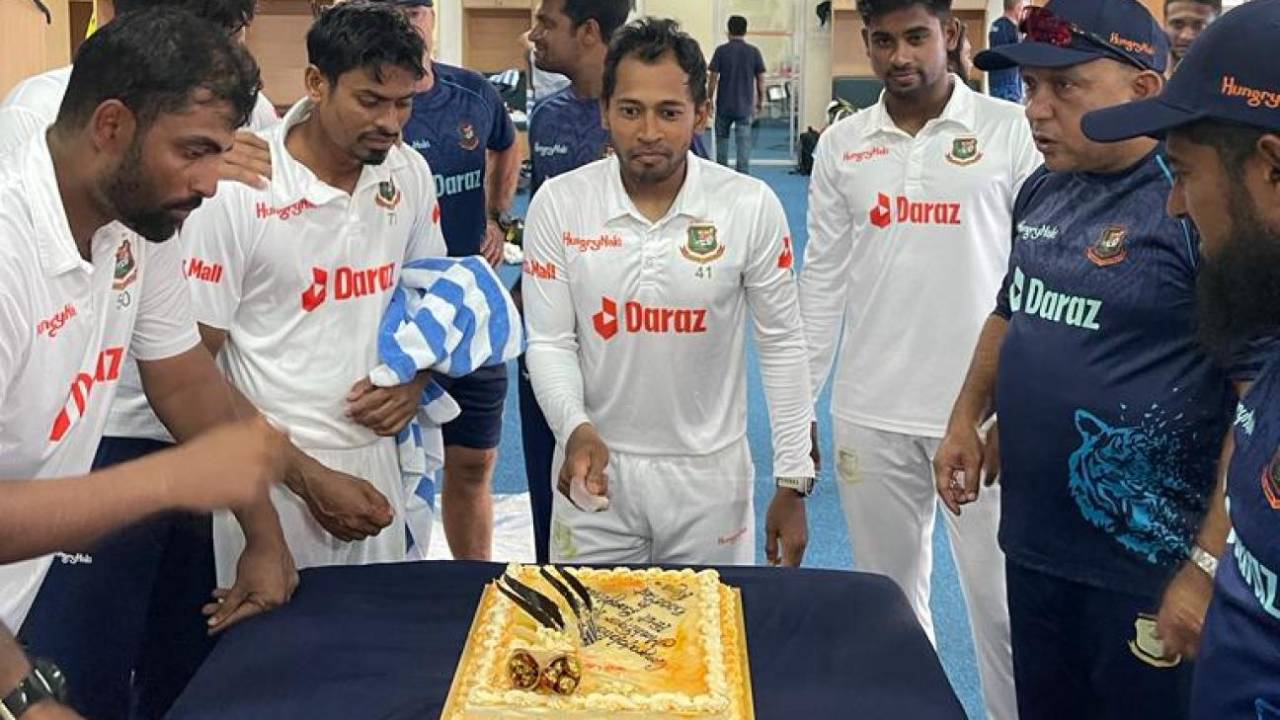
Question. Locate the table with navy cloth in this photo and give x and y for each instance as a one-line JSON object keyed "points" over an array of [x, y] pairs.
{"points": [[381, 642]]}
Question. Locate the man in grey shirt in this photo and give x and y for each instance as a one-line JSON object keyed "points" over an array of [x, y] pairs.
{"points": [[737, 84]]}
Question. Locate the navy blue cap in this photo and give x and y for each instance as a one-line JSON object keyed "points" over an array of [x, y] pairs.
{"points": [[1225, 76], [1125, 28]]}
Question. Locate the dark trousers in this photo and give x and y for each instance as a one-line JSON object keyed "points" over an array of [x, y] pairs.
{"points": [[124, 620], [539, 450], [1085, 653]]}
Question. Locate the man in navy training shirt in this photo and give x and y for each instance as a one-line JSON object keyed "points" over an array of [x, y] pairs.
{"points": [[1225, 155], [570, 37], [461, 126], [1006, 84], [1111, 416], [737, 89]]}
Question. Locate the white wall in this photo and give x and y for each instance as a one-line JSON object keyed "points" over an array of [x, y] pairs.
{"points": [[449, 31]]}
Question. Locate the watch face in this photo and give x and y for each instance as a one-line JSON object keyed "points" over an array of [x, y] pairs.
{"points": [[55, 682]]}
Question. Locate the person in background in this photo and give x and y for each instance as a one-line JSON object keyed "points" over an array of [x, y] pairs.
{"points": [[461, 127], [542, 84], [908, 290], [737, 91], [1184, 20], [1007, 83], [570, 37]]}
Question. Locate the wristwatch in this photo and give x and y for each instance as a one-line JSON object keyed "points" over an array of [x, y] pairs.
{"points": [[44, 682], [1204, 560], [802, 485]]}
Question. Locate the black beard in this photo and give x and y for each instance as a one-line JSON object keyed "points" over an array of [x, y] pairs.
{"points": [[132, 194], [1238, 292]]}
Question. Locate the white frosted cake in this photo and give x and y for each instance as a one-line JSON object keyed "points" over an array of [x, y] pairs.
{"points": [[669, 644]]}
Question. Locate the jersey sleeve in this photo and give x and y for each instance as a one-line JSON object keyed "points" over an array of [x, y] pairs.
{"points": [[503, 134], [1020, 203], [165, 326], [769, 280], [828, 261], [717, 60], [426, 239], [213, 239], [550, 321], [15, 322], [759, 62]]}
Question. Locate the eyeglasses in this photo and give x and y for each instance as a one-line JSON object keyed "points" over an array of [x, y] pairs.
{"points": [[1041, 25]]}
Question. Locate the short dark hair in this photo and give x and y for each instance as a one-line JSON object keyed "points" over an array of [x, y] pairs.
{"points": [[872, 9], [363, 34], [1234, 142], [1215, 4], [737, 25], [649, 39], [155, 62], [1011, 4], [608, 14], [231, 15]]}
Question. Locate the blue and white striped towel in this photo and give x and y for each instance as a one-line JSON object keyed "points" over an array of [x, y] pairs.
{"points": [[449, 316]]}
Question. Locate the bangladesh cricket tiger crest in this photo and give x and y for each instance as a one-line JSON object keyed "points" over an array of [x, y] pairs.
{"points": [[126, 270], [467, 136], [388, 195], [702, 245], [964, 151], [1110, 247]]}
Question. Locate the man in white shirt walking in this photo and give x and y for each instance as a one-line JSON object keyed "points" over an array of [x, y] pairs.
{"points": [[641, 273], [909, 234], [289, 284]]}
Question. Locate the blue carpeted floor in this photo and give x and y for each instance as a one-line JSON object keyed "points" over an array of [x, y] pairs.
{"points": [[829, 540]]}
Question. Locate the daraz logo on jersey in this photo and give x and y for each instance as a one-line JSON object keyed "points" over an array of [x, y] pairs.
{"points": [[638, 319], [107, 370], [906, 211], [347, 283], [1033, 297]]}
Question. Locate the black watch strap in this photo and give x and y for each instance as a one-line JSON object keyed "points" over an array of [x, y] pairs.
{"points": [[44, 682]]}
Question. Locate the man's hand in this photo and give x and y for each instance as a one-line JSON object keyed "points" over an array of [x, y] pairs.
{"points": [[248, 161], [265, 579], [346, 506], [585, 459], [786, 524], [1182, 611], [495, 239], [386, 411], [814, 453], [957, 466], [51, 710], [229, 466]]}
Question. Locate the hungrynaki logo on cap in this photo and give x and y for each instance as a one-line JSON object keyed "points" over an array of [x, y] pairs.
{"points": [[1224, 77]]}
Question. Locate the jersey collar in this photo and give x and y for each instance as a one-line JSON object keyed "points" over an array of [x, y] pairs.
{"points": [[54, 241], [690, 201], [293, 181], [960, 110]]}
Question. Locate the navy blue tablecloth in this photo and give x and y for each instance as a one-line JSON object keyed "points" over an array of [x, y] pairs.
{"points": [[381, 642]]}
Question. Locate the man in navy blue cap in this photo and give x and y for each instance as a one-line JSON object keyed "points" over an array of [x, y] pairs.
{"points": [[1111, 415], [1221, 116]]}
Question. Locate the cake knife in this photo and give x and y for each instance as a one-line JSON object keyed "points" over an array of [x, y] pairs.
{"points": [[531, 608]]}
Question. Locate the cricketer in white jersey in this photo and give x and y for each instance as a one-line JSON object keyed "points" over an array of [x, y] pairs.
{"points": [[298, 276]]}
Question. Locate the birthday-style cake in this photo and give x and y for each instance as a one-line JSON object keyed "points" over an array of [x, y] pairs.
{"points": [[571, 643]]}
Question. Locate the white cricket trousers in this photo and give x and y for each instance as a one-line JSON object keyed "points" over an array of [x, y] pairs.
{"points": [[890, 504], [686, 509]]}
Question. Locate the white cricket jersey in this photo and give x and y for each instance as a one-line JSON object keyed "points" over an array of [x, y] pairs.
{"points": [[300, 274], [640, 327], [908, 242], [66, 325], [29, 109]]}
